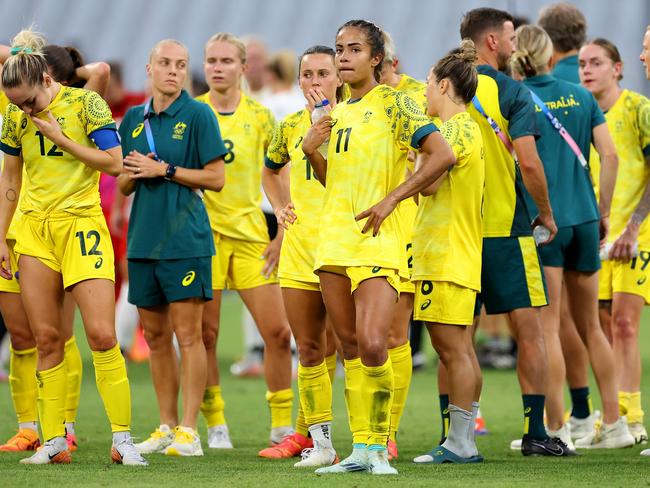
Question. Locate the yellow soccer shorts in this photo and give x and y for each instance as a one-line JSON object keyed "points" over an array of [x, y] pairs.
{"points": [[296, 268], [79, 248], [631, 277], [238, 264], [11, 286], [299, 284], [358, 274], [443, 302]]}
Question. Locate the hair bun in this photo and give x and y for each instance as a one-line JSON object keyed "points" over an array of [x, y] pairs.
{"points": [[28, 41], [468, 51]]}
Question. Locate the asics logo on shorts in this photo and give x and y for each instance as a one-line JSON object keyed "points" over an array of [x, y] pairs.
{"points": [[99, 263], [376, 269], [640, 281], [189, 278], [426, 304]]}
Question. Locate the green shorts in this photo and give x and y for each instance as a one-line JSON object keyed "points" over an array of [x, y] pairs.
{"points": [[575, 248], [158, 282], [511, 276]]}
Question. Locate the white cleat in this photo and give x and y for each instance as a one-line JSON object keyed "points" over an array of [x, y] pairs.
{"points": [[126, 453], [316, 457], [378, 461], [54, 451], [356, 462], [645, 452], [583, 427], [219, 437], [159, 439], [516, 445], [613, 436], [186, 443], [638, 432], [564, 434]]}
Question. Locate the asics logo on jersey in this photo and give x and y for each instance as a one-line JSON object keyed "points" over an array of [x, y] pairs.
{"points": [[137, 130], [189, 278], [298, 143], [528, 410], [179, 131], [640, 281], [23, 124], [98, 263], [426, 304]]}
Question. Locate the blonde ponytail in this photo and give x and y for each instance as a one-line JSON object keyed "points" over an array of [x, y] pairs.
{"points": [[534, 50], [27, 63]]}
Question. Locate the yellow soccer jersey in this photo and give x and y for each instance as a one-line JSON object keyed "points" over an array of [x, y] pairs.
{"points": [[4, 102], [448, 234], [235, 210], [300, 240], [629, 123], [54, 180], [366, 160]]}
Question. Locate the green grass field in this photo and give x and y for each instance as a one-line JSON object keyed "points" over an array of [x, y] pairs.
{"points": [[248, 420]]}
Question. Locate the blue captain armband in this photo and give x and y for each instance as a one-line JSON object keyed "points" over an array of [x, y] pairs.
{"points": [[105, 139]]}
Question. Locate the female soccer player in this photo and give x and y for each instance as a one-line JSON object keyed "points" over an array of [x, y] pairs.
{"points": [[572, 256], [169, 264], [245, 260], [360, 272], [624, 289], [298, 209], [65, 65], [63, 137]]}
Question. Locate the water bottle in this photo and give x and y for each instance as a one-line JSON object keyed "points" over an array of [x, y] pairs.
{"points": [[321, 110], [604, 251], [541, 234]]}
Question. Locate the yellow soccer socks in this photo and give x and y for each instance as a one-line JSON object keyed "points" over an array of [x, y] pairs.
{"points": [[315, 393], [22, 382], [331, 366], [400, 357], [212, 406], [629, 404], [357, 407], [113, 386], [377, 392], [51, 385], [280, 403], [74, 372]]}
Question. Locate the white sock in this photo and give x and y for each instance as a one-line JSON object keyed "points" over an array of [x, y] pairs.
{"points": [[127, 318], [28, 425], [279, 433], [459, 424], [322, 434], [69, 427], [476, 411], [121, 436]]}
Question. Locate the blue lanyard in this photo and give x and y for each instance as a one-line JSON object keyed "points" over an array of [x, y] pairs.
{"points": [[495, 127], [147, 129], [557, 125]]}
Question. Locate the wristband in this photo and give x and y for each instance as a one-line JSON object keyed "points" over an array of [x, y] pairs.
{"points": [[170, 172]]}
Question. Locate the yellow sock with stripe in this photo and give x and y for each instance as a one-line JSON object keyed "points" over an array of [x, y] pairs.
{"points": [[22, 383], [315, 390], [331, 366], [51, 400], [377, 390], [623, 402], [113, 386], [402, 361], [357, 413], [213, 405], [74, 371], [281, 404], [634, 410]]}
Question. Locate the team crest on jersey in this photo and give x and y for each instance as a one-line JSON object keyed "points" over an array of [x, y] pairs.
{"points": [[366, 117], [137, 130], [247, 128], [179, 130]]}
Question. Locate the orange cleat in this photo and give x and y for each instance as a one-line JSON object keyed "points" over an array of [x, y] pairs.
{"points": [[71, 439], [479, 426], [24, 440], [391, 447], [291, 446]]}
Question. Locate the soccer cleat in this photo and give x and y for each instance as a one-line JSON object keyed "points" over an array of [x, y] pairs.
{"points": [[291, 446], [392, 449], [613, 436], [54, 451], [219, 437], [186, 443], [515, 445], [247, 367], [564, 434], [547, 447], [638, 432], [158, 441], [645, 452], [583, 427], [442, 455], [479, 426], [356, 462], [378, 462], [71, 440], [24, 440], [316, 457], [126, 453]]}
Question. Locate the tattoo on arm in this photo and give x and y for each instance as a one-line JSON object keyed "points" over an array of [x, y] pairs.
{"points": [[11, 195]]}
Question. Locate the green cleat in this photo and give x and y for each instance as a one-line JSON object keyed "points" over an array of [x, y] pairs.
{"points": [[442, 455]]}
